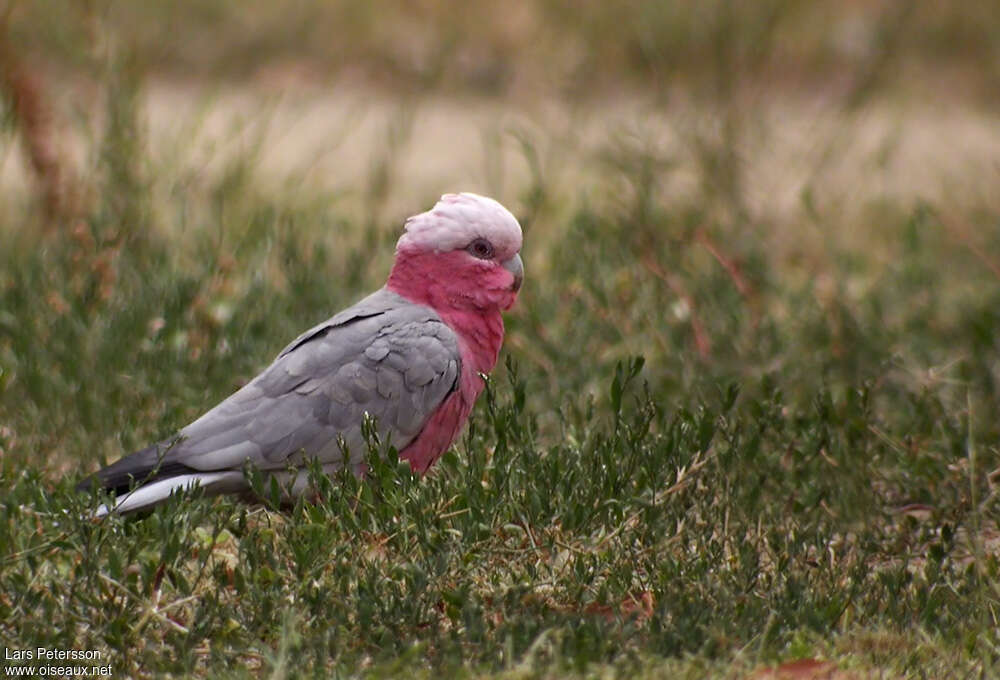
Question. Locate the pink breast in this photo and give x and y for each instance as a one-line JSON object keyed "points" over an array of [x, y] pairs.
{"points": [[442, 428]]}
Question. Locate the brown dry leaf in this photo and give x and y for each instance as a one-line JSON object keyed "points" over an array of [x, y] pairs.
{"points": [[801, 669], [57, 303], [637, 605], [918, 511], [600, 610]]}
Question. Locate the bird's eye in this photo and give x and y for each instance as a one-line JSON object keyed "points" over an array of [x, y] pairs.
{"points": [[481, 248]]}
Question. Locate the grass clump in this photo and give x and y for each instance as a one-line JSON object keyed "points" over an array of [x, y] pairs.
{"points": [[801, 489], [724, 436]]}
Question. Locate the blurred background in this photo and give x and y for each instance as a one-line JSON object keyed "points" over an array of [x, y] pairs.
{"points": [[756, 103]]}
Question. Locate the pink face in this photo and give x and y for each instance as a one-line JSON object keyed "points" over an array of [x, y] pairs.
{"points": [[475, 277], [463, 254]]}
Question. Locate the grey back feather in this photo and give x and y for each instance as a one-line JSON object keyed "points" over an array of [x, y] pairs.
{"points": [[386, 356]]}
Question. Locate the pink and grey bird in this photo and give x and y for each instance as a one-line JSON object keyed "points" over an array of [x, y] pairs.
{"points": [[409, 355]]}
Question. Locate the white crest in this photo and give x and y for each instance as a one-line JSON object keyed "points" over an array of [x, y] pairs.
{"points": [[458, 219]]}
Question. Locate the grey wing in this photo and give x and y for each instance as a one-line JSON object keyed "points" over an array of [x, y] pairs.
{"points": [[378, 303], [398, 366]]}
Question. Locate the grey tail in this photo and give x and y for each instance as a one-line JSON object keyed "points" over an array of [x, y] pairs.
{"points": [[149, 464], [149, 477]]}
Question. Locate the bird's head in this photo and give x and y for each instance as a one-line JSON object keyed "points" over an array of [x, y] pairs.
{"points": [[462, 254]]}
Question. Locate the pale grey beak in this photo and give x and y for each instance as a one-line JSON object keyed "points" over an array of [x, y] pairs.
{"points": [[515, 267]]}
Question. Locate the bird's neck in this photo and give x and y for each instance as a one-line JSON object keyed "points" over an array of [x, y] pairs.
{"points": [[479, 328], [480, 336]]}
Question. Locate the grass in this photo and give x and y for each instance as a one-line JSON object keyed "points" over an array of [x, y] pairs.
{"points": [[721, 438], [580, 49]]}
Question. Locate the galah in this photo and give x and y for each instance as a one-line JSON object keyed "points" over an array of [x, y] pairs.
{"points": [[410, 357]]}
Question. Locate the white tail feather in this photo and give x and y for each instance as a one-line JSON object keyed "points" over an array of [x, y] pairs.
{"points": [[150, 494]]}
